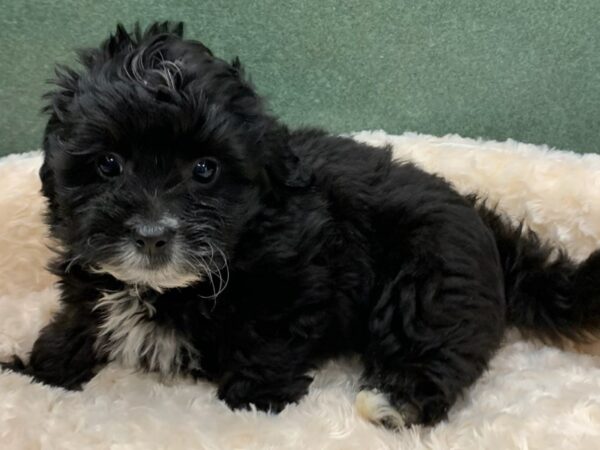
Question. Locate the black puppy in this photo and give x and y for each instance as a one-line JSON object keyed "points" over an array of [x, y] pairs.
{"points": [[198, 235]]}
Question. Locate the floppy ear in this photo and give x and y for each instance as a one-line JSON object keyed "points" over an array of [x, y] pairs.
{"points": [[47, 176], [58, 106], [60, 99], [282, 166]]}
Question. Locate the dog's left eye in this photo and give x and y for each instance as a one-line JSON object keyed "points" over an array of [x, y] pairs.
{"points": [[205, 170], [109, 165]]}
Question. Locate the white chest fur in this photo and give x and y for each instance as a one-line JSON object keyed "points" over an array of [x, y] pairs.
{"points": [[129, 334]]}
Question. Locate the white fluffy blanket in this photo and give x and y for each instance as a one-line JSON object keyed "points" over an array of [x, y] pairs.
{"points": [[531, 397]]}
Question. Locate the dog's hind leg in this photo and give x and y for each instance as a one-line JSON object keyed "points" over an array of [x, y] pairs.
{"points": [[432, 332]]}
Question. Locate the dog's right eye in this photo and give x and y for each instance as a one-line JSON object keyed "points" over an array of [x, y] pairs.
{"points": [[109, 165]]}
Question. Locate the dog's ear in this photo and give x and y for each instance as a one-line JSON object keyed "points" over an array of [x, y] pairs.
{"points": [[46, 173], [67, 79], [282, 166], [59, 100]]}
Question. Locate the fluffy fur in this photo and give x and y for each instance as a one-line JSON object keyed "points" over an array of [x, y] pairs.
{"points": [[532, 396], [304, 247]]}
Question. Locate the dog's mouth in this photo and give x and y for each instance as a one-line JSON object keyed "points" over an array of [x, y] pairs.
{"points": [[164, 270], [167, 271], [166, 276]]}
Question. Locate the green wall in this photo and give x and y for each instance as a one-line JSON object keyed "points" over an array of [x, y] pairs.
{"points": [[522, 69]]}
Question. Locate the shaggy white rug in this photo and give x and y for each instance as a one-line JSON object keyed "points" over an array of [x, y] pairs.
{"points": [[531, 397]]}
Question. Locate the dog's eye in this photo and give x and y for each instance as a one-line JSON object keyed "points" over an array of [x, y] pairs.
{"points": [[205, 170], [109, 165]]}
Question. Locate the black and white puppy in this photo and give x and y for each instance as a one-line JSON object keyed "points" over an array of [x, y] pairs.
{"points": [[200, 236]]}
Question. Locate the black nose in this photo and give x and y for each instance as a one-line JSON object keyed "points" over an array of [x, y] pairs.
{"points": [[152, 239]]}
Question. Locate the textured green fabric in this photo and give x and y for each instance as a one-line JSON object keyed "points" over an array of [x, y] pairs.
{"points": [[522, 69]]}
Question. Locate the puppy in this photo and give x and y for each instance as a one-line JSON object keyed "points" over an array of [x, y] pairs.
{"points": [[198, 235]]}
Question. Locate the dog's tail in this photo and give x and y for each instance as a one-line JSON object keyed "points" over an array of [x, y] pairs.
{"points": [[549, 296]]}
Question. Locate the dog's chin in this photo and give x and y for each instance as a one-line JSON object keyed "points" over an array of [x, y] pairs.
{"points": [[171, 270], [161, 278]]}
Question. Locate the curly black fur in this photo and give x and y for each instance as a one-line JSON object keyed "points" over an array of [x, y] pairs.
{"points": [[305, 246]]}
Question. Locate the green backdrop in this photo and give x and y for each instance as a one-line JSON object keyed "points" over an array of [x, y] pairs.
{"points": [[522, 69]]}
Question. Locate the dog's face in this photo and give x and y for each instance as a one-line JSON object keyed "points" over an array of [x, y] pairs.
{"points": [[156, 156]]}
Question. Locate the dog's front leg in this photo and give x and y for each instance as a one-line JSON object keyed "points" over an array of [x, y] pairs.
{"points": [[63, 354], [270, 377]]}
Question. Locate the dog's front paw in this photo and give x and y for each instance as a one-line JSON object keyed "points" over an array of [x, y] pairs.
{"points": [[241, 392], [66, 380], [16, 365]]}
